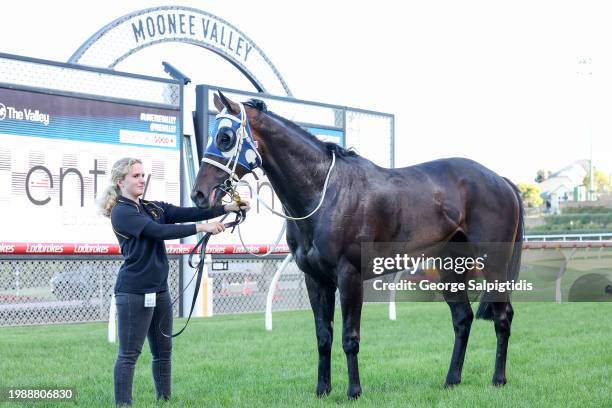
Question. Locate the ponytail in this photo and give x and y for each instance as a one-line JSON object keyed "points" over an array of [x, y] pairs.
{"points": [[108, 198]]}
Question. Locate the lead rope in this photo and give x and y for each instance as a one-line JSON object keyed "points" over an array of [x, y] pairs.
{"points": [[201, 245], [271, 249], [280, 235], [287, 217]]}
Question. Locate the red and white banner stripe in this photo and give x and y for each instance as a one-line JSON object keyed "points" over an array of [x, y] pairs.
{"points": [[47, 248]]}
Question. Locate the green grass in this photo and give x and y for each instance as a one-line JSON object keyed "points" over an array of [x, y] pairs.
{"points": [[560, 355]]}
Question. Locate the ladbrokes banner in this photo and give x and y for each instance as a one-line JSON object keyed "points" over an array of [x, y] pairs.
{"points": [[56, 153]]}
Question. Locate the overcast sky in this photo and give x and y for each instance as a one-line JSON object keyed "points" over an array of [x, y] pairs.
{"points": [[493, 81]]}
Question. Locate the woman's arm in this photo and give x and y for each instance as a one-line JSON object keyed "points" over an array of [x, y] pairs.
{"points": [[170, 231], [190, 214], [167, 231]]}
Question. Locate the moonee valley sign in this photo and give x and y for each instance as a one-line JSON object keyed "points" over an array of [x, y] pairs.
{"points": [[206, 29], [140, 29]]}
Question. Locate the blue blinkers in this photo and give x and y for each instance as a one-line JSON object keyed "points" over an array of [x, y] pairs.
{"points": [[232, 142]]}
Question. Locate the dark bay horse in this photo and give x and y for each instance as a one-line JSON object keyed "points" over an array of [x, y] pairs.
{"points": [[447, 200]]}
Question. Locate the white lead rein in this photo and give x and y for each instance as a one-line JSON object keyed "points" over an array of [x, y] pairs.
{"points": [[280, 235], [287, 217]]}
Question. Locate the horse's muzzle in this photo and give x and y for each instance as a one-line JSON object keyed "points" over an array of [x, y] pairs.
{"points": [[199, 199]]}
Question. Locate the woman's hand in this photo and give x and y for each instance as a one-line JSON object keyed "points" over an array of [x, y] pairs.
{"points": [[212, 227], [234, 206]]}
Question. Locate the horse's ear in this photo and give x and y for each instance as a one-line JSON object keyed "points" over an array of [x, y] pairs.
{"points": [[222, 102], [218, 103]]}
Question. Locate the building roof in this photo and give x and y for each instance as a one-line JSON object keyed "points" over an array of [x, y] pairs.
{"points": [[565, 179]]}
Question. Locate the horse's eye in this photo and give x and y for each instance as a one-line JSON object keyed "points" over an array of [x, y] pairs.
{"points": [[226, 139]]}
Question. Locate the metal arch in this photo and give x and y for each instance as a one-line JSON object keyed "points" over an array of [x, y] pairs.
{"points": [[101, 32], [258, 85]]}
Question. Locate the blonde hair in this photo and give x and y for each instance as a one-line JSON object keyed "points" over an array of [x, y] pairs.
{"points": [[108, 198]]}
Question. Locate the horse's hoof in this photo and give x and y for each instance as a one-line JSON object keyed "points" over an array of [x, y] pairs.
{"points": [[323, 390], [354, 392], [452, 380], [499, 381], [451, 383]]}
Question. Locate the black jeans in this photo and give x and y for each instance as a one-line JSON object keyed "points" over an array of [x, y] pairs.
{"points": [[135, 322]]}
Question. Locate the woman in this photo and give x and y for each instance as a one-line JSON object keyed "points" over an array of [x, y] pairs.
{"points": [[141, 289]]}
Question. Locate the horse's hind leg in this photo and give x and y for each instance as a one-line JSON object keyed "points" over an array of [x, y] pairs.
{"points": [[502, 318], [496, 306], [461, 312], [351, 300], [323, 301]]}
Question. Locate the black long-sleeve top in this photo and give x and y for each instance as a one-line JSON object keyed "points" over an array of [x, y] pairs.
{"points": [[141, 229]]}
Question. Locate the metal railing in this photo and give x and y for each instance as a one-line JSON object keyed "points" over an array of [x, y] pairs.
{"points": [[42, 283], [44, 289], [38, 288], [600, 236]]}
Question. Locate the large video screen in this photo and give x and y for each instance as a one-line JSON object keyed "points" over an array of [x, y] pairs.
{"points": [[56, 154]]}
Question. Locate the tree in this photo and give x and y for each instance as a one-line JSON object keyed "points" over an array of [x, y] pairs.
{"points": [[542, 175], [601, 181], [530, 194]]}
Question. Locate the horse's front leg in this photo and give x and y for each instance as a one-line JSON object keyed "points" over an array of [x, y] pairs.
{"points": [[351, 300], [323, 300]]}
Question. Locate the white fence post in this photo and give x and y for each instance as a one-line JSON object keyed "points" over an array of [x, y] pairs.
{"points": [[272, 289], [392, 308], [205, 297]]}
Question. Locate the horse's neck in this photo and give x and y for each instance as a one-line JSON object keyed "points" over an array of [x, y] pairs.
{"points": [[296, 168]]}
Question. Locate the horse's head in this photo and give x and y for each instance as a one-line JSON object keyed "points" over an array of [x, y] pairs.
{"points": [[231, 153]]}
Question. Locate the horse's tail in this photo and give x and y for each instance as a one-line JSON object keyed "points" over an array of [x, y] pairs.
{"points": [[485, 310]]}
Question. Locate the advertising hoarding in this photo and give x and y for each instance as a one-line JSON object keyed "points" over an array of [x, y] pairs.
{"points": [[56, 154]]}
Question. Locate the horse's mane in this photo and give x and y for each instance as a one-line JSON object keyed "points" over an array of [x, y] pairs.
{"points": [[329, 146]]}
